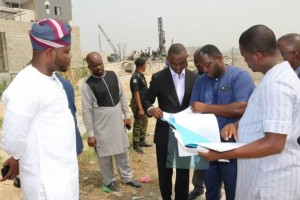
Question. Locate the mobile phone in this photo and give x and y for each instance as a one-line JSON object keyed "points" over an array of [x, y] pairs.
{"points": [[128, 126], [5, 170], [17, 182]]}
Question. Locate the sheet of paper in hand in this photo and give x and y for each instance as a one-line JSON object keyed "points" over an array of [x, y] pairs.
{"points": [[197, 132]]}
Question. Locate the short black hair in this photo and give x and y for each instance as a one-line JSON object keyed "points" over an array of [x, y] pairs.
{"points": [[210, 50], [291, 39], [176, 49], [139, 62], [258, 38]]}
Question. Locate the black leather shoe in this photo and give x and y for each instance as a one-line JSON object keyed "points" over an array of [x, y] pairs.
{"points": [[134, 183], [113, 187], [137, 147], [145, 144], [193, 194]]}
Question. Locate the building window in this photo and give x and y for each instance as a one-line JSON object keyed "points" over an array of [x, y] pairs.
{"points": [[57, 10], [12, 5]]}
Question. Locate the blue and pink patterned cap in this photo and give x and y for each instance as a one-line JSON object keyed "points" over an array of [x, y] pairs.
{"points": [[50, 33]]}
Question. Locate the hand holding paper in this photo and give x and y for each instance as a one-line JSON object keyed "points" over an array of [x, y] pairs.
{"points": [[195, 131], [230, 130], [156, 112]]}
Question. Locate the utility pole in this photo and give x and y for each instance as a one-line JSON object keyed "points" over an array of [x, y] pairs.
{"points": [[124, 51], [232, 55], [161, 37], [100, 47]]}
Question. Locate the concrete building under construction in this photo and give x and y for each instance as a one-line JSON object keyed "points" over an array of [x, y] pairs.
{"points": [[16, 18]]}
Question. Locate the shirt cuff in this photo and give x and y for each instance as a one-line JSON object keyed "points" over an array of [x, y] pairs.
{"points": [[90, 133], [16, 157], [127, 116], [149, 110]]}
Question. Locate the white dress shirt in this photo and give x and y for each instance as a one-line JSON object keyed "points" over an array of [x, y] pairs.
{"points": [[179, 83]]}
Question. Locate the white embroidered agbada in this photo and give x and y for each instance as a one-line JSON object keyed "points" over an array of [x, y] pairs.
{"points": [[38, 129]]}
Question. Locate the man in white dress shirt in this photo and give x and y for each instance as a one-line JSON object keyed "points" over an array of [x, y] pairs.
{"points": [[38, 127], [268, 166]]}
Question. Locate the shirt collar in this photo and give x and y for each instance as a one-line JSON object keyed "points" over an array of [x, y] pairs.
{"points": [[173, 72]]}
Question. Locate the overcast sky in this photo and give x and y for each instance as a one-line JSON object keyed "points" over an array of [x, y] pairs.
{"points": [[190, 22]]}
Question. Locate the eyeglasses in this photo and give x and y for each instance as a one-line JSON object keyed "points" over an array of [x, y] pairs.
{"points": [[289, 52]]}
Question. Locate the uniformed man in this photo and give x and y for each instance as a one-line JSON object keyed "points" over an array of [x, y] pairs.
{"points": [[138, 87]]}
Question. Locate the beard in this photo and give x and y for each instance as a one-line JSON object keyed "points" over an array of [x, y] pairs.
{"points": [[61, 66]]}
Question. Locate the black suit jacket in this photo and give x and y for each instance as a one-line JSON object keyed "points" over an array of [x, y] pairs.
{"points": [[162, 87]]}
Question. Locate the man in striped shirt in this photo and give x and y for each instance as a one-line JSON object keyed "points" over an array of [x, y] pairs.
{"points": [[268, 166]]}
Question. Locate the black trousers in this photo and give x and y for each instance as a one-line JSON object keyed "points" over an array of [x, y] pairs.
{"points": [[165, 177]]}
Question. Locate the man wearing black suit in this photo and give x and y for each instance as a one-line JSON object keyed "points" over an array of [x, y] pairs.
{"points": [[172, 87]]}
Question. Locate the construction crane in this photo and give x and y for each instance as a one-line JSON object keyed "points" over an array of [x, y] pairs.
{"points": [[161, 36], [115, 56]]}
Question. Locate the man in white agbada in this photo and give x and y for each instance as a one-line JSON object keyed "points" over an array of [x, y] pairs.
{"points": [[38, 127], [268, 167]]}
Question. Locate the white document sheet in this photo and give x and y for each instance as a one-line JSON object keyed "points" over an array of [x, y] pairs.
{"points": [[221, 147], [185, 151], [206, 125]]}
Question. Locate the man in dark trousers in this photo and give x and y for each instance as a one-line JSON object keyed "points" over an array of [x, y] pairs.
{"points": [[71, 102], [223, 91], [172, 87], [198, 178], [139, 88]]}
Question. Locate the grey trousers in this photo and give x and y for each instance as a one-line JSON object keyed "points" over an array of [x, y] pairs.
{"points": [[198, 181], [122, 164]]}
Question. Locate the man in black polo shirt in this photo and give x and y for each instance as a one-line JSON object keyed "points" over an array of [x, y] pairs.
{"points": [[138, 87]]}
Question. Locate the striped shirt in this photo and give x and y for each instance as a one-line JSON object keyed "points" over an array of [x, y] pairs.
{"points": [[273, 107]]}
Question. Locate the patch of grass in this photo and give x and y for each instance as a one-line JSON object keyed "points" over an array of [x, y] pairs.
{"points": [[76, 88], [3, 86], [84, 72], [85, 136], [88, 156], [80, 73]]}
